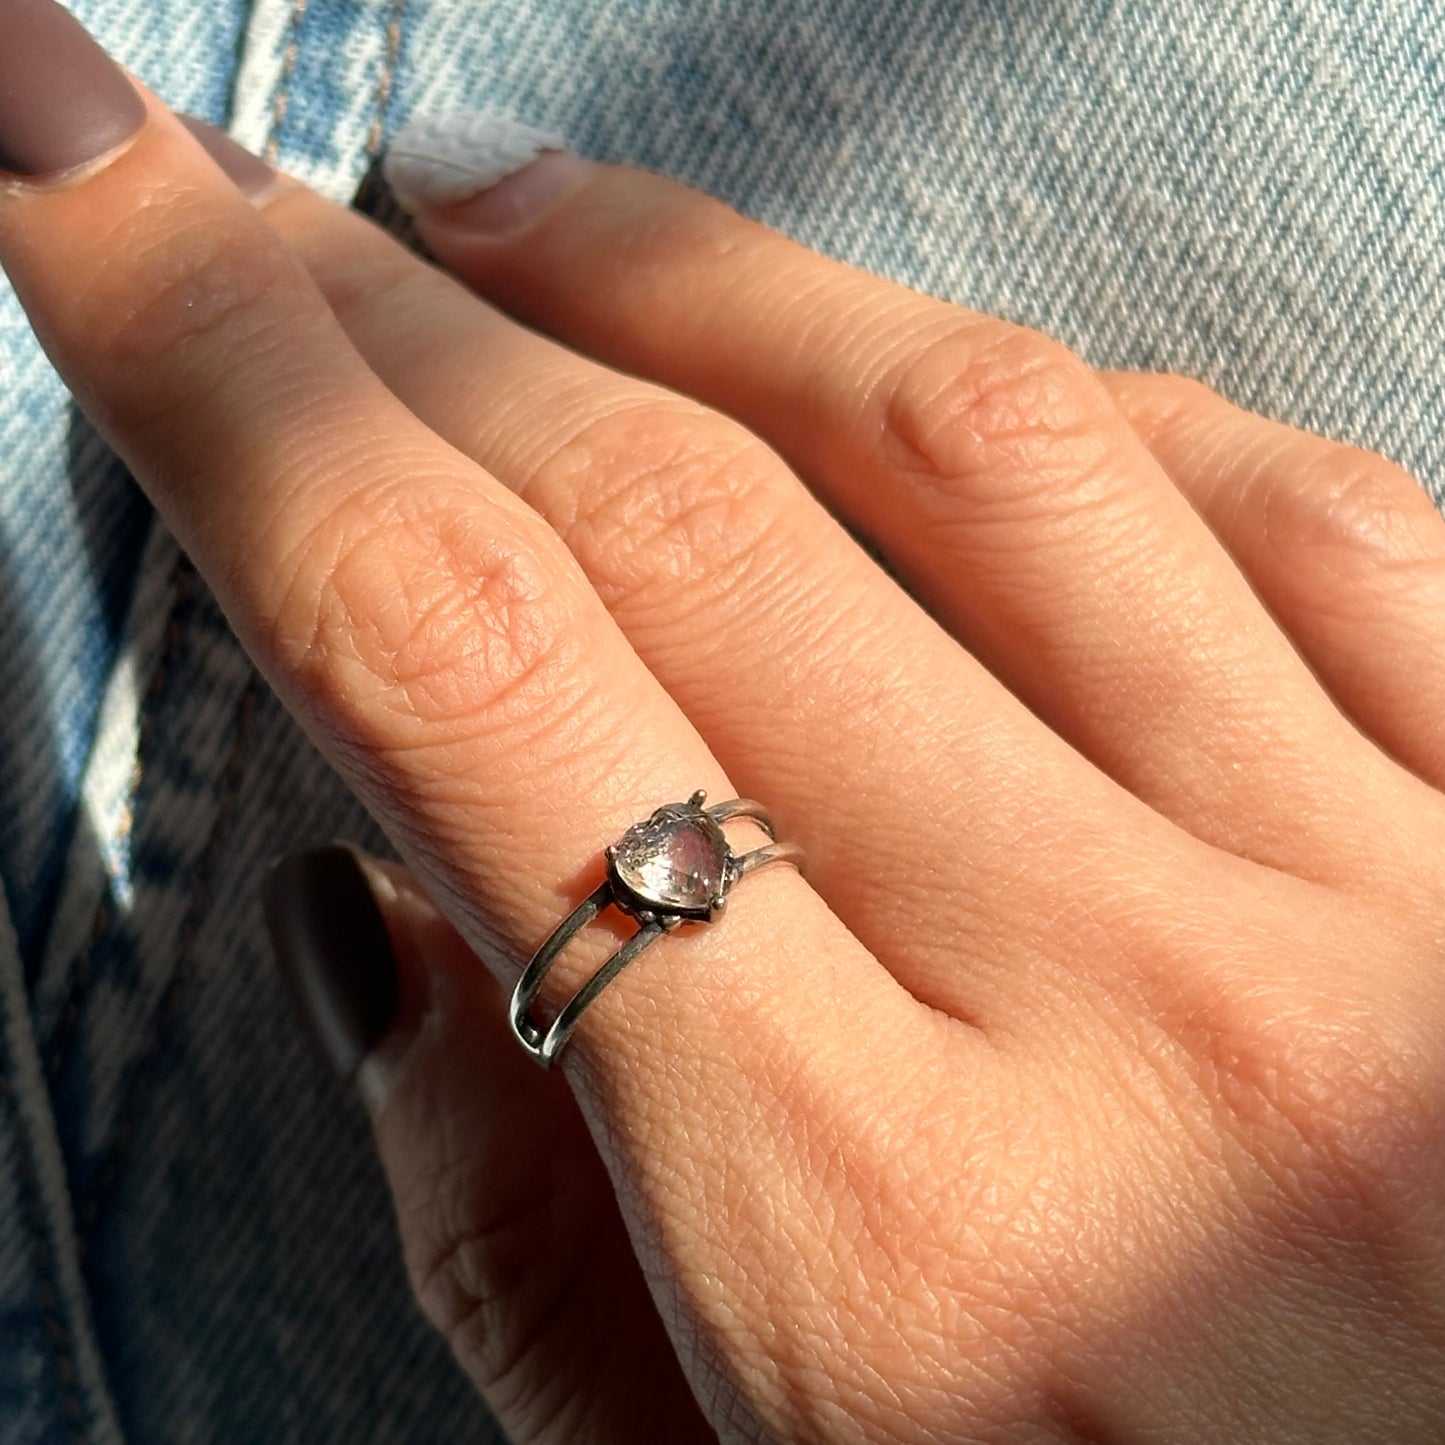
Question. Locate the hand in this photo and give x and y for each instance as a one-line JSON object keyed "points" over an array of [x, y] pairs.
{"points": [[1092, 1085]]}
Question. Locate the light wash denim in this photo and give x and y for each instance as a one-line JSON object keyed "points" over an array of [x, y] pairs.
{"points": [[195, 1240]]}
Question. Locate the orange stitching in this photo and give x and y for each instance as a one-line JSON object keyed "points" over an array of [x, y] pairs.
{"points": [[386, 78], [283, 88]]}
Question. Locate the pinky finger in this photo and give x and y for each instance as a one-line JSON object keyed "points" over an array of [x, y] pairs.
{"points": [[1343, 546]]}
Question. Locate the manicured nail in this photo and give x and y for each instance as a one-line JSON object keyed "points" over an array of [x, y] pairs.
{"points": [[253, 177], [481, 172], [63, 101], [333, 950]]}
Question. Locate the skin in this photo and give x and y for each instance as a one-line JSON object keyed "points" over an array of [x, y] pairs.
{"points": [[1091, 1086]]}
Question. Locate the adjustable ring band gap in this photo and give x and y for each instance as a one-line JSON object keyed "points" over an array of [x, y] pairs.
{"points": [[674, 867]]}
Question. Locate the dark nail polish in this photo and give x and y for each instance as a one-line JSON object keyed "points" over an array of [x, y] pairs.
{"points": [[63, 101], [252, 176], [333, 950]]}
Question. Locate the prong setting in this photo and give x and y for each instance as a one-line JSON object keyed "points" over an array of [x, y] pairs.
{"points": [[674, 867]]}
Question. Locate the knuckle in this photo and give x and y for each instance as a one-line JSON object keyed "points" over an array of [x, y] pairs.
{"points": [[657, 494], [177, 300], [992, 414], [409, 609], [1344, 497]]}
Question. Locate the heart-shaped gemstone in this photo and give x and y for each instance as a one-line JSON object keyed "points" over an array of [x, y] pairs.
{"points": [[675, 860]]}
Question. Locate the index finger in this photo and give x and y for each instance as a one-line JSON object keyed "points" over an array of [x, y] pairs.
{"points": [[446, 652]]}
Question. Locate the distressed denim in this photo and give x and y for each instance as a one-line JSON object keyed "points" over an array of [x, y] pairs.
{"points": [[195, 1239]]}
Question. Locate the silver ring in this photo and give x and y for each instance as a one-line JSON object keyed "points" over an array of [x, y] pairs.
{"points": [[675, 866]]}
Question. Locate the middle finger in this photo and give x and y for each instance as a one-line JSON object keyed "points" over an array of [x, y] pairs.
{"points": [[997, 474]]}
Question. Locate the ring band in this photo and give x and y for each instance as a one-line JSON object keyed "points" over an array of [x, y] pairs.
{"points": [[675, 866]]}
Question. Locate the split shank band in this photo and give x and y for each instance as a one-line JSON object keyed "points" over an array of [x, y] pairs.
{"points": [[675, 866]]}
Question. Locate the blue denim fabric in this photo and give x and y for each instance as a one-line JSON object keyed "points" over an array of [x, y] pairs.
{"points": [[195, 1240]]}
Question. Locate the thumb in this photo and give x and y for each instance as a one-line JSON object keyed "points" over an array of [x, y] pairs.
{"points": [[513, 1239]]}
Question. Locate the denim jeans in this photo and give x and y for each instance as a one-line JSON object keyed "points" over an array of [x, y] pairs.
{"points": [[195, 1239]]}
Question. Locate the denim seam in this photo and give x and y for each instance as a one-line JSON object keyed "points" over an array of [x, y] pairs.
{"points": [[136, 1090], [181, 585], [85, 1395]]}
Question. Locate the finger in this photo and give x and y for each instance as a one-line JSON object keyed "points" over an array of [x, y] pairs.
{"points": [[735, 586], [990, 466], [449, 656], [1344, 547], [511, 1232]]}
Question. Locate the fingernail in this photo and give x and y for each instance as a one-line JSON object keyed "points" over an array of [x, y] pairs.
{"points": [[252, 176], [480, 172], [333, 950], [63, 101]]}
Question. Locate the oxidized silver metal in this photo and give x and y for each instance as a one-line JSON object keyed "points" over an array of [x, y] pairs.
{"points": [[676, 866]]}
